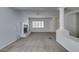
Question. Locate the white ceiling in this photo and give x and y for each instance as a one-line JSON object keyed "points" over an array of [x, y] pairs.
{"points": [[72, 8], [36, 8], [67, 9]]}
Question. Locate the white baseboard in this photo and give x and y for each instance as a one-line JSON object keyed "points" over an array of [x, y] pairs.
{"points": [[7, 44]]}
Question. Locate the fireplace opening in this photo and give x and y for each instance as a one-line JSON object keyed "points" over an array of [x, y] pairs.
{"points": [[25, 28]]}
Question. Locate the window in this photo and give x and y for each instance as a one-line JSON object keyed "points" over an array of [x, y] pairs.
{"points": [[37, 24]]}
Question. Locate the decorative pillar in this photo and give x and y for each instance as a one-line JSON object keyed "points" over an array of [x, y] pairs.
{"points": [[61, 18], [61, 32]]}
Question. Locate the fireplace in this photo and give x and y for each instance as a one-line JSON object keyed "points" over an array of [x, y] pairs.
{"points": [[25, 28]]}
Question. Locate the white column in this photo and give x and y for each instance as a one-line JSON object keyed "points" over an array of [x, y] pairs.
{"points": [[61, 18]]}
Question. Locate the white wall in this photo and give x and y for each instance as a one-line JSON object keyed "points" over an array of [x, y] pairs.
{"points": [[77, 23], [70, 23], [27, 14], [68, 42], [9, 26]]}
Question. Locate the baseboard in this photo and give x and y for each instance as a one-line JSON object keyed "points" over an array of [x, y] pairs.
{"points": [[7, 44]]}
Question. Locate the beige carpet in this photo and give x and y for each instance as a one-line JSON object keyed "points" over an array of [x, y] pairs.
{"points": [[36, 42]]}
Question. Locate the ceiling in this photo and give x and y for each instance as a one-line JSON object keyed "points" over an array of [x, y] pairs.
{"points": [[73, 8], [67, 9], [36, 8]]}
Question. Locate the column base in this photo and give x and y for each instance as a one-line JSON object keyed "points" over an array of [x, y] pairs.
{"points": [[63, 32]]}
